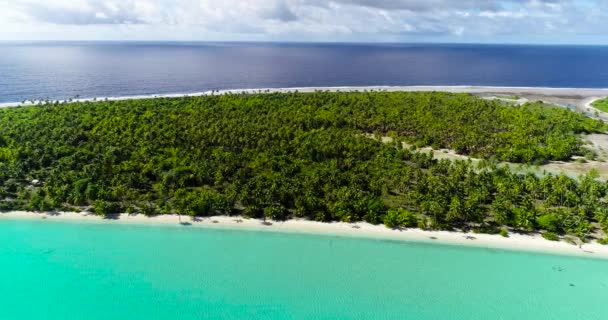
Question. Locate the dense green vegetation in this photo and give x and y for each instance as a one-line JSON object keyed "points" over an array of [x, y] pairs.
{"points": [[306, 155], [601, 105]]}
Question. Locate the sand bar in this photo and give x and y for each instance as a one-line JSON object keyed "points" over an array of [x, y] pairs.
{"points": [[516, 242]]}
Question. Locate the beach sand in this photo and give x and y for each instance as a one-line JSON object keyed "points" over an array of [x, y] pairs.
{"points": [[516, 242]]}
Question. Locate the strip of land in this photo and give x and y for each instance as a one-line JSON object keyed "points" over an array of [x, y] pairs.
{"points": [[579, 98], [240, 167], [515, 242]]}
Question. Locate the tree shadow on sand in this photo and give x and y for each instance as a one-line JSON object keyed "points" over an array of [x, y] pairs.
{"points": [[111, 216]]}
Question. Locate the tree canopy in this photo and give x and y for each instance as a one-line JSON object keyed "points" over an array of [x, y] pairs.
{"points": [[306, 155]]}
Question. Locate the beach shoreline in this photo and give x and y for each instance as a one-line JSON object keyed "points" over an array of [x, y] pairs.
{"points": [[515, 242], [588, 95]]}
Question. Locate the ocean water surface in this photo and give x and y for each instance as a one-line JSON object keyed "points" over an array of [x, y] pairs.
{"points": [[60, 270], [61, 70]]}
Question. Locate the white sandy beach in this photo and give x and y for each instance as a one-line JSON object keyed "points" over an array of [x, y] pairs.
{"points": [[516, 242], [587, 95]]}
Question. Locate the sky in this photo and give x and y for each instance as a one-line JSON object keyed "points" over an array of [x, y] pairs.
{"points": [[462, 21]]}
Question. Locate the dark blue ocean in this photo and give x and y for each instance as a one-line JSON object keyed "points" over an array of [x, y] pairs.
{"points": [[66, 70]]}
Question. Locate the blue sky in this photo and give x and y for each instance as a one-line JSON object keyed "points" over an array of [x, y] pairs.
{"points": [[478, 21]]}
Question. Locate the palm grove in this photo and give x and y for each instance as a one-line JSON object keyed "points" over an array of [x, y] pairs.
{"points": [[305, 155]]}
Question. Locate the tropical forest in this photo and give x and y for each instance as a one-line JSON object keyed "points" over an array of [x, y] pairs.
{"points": [[323, 156]]}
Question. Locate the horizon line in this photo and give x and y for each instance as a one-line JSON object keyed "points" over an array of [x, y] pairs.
{"points": [[311, 42]]}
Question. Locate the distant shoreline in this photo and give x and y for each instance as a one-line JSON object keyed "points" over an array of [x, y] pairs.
{"points": [[515, 242], [589, 94]]}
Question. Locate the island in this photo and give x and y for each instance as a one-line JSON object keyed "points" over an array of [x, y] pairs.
{"points": [[484, 164]]}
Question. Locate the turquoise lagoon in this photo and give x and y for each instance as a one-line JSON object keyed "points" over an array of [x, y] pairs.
{"points": [[61, 270]]}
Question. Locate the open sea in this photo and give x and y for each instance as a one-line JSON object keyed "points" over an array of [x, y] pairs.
{"points": [[60, 70], [66, 270]]}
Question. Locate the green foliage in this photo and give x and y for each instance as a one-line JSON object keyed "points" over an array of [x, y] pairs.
{"points": [[487, 229], [104, 208], [601, 105], [202, 202], [549, 222], [308, 155], [275, 212], [149, 209], [37, 202], [550, 236], [400, 218], [423, 223], [504, 233]]}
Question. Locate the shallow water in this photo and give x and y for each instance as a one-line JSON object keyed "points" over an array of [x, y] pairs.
{"points": [[60, 70], [61, 270]]}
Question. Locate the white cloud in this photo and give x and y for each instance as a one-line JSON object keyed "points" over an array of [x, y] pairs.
{"points": [[301, 20], [503, 14]]}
